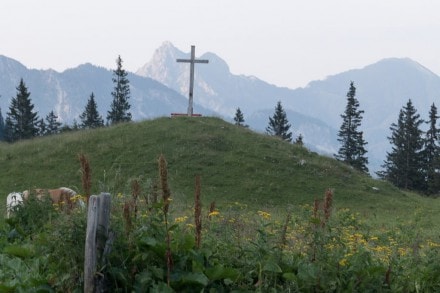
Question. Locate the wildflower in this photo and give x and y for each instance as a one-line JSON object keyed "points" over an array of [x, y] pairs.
{"points": [[343, 262], [77, 197], [214, 213], [402, 251], [264, 215], [180, 219], [432, 244]]}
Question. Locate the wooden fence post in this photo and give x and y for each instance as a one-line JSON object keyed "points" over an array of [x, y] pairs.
{"points": [[98, 216]]}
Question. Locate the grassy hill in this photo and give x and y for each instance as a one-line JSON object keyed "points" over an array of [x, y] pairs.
{"points": [[235, 164]]}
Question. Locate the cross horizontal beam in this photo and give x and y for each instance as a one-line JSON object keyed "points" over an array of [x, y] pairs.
{"points": [[193, 60]]}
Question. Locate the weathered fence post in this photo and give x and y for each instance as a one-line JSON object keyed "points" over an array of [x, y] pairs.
{"points": [[98, 215]]}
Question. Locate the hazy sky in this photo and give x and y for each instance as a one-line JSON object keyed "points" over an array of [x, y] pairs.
{"points": [[284, 42]]}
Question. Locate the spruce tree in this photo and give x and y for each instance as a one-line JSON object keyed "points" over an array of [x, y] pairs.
{"points": [[299, 140], [90, 118], [2, 127], [278, 124], [21, 120], [404, 164], [53, 126], [352, 150], [431, 153], [239, 118], [119, 108], [41, 126]]}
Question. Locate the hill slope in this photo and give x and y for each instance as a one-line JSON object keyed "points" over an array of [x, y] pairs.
{"points": [[235, 164], [383, 88]]}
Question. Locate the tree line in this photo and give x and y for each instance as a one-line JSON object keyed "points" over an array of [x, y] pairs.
{"points": [[22, 122], [413, 162]]}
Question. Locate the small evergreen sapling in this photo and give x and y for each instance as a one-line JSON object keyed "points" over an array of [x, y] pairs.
{"points": [[278, 124]]}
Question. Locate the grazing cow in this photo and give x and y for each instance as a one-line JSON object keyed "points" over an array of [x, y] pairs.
{"points": [[12, 201], [60, 196]]}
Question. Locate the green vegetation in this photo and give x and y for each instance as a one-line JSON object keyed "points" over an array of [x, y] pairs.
{"points": [[121, 94], [235, 164], [352, 150], [278, 124], [266, 231]]}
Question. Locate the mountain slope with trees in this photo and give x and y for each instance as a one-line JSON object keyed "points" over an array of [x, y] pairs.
{"points": [[67, 93], [382, 88]]}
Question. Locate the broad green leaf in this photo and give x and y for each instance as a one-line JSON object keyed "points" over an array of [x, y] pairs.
{"points": [[219, 272], [19, 251], [194, 278], [290, 277], [271, 266]]}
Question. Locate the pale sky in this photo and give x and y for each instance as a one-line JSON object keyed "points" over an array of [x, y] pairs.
{"points": [[284, 42]]}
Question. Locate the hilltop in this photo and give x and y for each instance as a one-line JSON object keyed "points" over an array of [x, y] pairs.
{"points": [[160, 87], [235, 164]]}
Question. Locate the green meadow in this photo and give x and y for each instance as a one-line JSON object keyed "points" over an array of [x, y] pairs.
{"points": [[304, 222]]}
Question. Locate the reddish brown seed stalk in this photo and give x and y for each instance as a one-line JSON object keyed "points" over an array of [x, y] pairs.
{"points": [[328, 201], [163, 176], [198, 212], [135, 192], [86, 178]]}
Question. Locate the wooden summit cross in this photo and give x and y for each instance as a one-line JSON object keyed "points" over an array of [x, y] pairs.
{"points": [[192, 61]]}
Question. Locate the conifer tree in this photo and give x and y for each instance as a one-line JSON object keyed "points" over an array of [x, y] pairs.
{"points": [[352, 150], [53, 126], [278, 124], [41, 126], [239, 118], [299, 140], [404, 164], [2, 127], [90, 118], [431, 153], [119, 108], [21, 120]]}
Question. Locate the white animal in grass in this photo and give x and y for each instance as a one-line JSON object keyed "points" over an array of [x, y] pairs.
{"points": [[12, 201]]}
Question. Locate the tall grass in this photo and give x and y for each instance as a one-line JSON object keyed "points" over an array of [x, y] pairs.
{"points": [[317, 248]]}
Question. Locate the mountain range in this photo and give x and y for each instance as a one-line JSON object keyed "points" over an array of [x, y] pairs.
{"points": [[160, 87], [382, 89]]}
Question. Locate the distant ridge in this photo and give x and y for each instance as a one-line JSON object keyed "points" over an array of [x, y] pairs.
{"points": [[382, 89], [66, 93]]}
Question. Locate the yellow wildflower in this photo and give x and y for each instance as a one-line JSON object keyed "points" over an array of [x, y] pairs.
{"points": [[180, 219], [264, 215], [402, 251], [343, 262], [214, 213], [77, 197], [433, 244]]}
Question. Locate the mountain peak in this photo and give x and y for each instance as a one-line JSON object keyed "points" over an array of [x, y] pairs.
{"points": [[399, 65], [167, 45], [163, 59], [6, 62]]}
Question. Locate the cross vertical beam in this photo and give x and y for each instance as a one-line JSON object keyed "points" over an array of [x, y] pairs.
{"points": [[191, 61]]}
